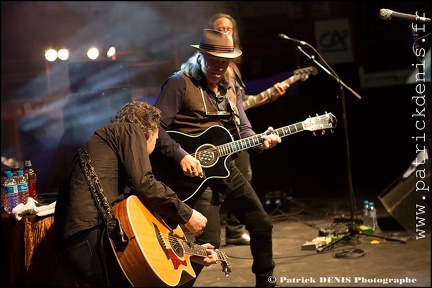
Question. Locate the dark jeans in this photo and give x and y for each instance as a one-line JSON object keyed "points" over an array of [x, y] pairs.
{"points": [[233, 228], [239, 197], [88, 257]]}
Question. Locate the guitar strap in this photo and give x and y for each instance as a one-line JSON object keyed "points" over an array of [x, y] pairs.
{"points": [[232, 100], [113, 225]]}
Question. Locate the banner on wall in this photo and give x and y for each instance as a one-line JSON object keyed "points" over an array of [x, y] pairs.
{"points": [[333, 40]]}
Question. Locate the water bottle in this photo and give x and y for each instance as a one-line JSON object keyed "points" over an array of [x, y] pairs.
{"points": [[373, 217], [22, 184], [3, 179], [10, 191], [31, 179], [15, 169], [365, 213]]}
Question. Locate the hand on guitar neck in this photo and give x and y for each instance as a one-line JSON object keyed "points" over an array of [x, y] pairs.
{"points": [[211, 258], [277, 90]]}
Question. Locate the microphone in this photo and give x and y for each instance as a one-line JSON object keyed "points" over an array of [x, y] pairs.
{"points": [[292, 40], [387, 14]]}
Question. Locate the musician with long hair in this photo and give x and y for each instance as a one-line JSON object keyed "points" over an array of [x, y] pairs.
{"points": [[196, 99]]}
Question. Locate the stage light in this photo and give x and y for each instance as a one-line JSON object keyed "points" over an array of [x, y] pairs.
{"points": [[111, 53], [93, 53], [63, 54], [51, 55]]}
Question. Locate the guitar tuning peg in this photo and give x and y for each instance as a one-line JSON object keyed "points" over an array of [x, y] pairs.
{"points": [[314, 133], [322, 132]]}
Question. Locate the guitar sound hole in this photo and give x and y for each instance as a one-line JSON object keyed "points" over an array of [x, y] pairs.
{"points": [[206, 154], [176, 246]]}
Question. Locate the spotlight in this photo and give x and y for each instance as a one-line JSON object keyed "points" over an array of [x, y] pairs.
{"points": [[93, 53], [111, 52], [63, 54], [51, 55]]}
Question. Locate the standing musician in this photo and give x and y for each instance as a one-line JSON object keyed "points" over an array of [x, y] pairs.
{"points": [[199, 96], [234, 233]]}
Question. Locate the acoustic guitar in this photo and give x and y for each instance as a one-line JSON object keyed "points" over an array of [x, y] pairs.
{"points": [[156, 254], [212, 148]]}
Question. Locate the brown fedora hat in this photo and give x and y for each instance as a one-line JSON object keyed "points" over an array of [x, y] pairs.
{"points": [[217, 43]]}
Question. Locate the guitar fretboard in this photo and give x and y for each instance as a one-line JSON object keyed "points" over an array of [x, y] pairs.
{"points": [[194, 249], [198, 250], [252, 141]]}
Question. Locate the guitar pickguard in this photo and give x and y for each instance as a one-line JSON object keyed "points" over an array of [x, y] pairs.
{"points": [[176, 261]]}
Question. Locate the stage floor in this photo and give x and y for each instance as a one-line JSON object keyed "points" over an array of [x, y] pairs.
{"points": [[403, 259]]}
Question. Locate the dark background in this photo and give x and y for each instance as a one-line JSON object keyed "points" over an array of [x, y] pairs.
{"points": [[43, 120]]}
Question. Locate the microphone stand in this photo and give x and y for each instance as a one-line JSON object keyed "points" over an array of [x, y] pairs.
{"points": [[352, 226]]}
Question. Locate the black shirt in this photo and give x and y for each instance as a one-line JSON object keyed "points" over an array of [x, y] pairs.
{"points": [[119, 156]]}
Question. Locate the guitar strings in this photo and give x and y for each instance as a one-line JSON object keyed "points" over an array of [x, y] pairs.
{"points": [[187, 247]]}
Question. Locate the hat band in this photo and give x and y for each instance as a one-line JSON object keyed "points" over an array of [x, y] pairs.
{"points": [[216, 48]]}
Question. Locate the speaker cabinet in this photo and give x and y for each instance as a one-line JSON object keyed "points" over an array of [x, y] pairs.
{"points": [[407, 199]]}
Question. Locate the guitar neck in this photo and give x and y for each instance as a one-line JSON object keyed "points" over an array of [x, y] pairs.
{"points": [[194, 249], [253, 100], [252, 141], [198, 250]]}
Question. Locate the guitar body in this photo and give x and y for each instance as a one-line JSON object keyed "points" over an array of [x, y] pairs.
{"points": [[213, 165], [154, 257]]}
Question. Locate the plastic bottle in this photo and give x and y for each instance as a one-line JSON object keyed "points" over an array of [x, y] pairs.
{"points": [[373, 217], [10, 191], [365, 214], [15, 169], [31, 179], [3, 179], [23, 190]]}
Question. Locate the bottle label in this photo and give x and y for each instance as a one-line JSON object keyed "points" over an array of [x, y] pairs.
{"points": [[10, 189], [22, 187]]}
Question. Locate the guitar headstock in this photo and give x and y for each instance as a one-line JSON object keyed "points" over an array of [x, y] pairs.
{"points": [[320, 122], [304, 73], [226, 267]]}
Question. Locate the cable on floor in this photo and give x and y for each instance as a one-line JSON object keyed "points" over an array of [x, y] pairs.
{"points": [[349, 253]]}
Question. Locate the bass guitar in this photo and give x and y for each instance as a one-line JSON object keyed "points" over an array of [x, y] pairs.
{"points": [[299, 74], [212, 148], [156, 255]]}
